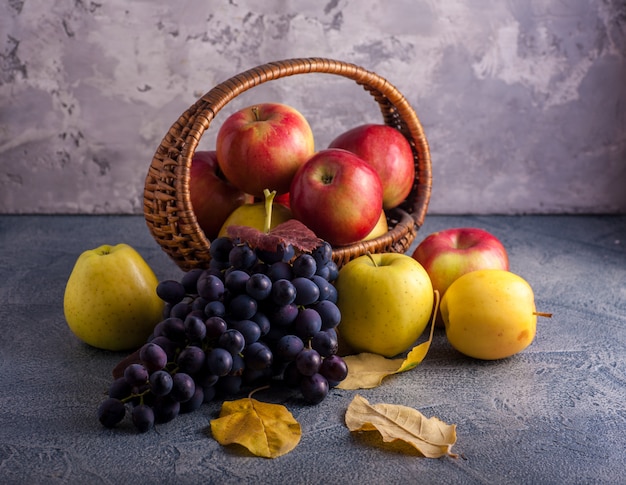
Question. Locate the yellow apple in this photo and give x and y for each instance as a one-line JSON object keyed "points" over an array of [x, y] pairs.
{"points": [[489, 314], [380, 228], [253, 215], [110, 299], [386, 301]]}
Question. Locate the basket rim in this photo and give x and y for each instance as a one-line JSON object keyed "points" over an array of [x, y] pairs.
{"points": [[167, 204]]}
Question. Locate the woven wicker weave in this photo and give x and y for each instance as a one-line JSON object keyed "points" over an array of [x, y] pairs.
{"points": [[167, 207]]}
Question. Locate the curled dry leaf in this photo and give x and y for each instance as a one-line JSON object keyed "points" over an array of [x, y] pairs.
{"points": [[367, 370], [430, 436], [265, 429]]}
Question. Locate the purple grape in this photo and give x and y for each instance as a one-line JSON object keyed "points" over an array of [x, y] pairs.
{"points": [[314, 388], [111, 411]]}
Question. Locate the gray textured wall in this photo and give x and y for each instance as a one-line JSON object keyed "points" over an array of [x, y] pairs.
{"points": [[523, 101]]}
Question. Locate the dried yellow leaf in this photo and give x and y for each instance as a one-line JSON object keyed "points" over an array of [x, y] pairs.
{"points": [[367, 370], [430, 436], [265, 429]]}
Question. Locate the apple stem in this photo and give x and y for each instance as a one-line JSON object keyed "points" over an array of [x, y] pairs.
{"points": [[543, 314], [255, 112], [269, 199], [369, 255]]}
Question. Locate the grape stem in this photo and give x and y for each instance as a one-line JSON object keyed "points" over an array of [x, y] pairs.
{"points": [[269, 200], [256, 390]]}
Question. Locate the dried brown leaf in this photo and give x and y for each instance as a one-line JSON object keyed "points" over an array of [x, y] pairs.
{"points": [[430, 436]]}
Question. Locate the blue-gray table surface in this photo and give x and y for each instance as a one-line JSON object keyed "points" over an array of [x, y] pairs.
{"points": [[556, 413]]}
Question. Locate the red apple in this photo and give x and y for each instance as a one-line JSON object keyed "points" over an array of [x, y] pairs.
{"points": [[389, 152], [447, 255], [337, 195], [213, 198], [262, 146]]}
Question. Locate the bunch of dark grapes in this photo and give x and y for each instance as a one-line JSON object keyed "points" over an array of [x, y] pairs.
{"points": [[253, 318]]}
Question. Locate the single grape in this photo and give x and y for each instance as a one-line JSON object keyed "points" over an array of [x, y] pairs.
{"points": [[288, 347], [111, 411], [170, 291], [238, 367], [221, 248], [194, 402], [120, 388], [210, 287], [304, 266], [198, 304], [322, 254], [190, 359], [262, 321], [215, 326], [174, 329], [180, 310], [271, 257], [167, 345], [325, 343], [195, 329], [280, 270], [205, 378], [324, 287], [161, 383], [259, 286], [334, 369], [214, 309], [183, 387], [232, 340], [307, 323], [291, 375], [330, 313], [314, 388], [216, 266], [333, 270], [283, 315], [249, 329], [208, 393], [229, 385], [307, 292], [283, 292], [165, 409], [190, 280], [152, 356], [219, 361], [136, 374], [333, 294], [242, 257], [288, 253], [308, 362], [236, 280], [143, 417], [242, 307], [258, 356]]}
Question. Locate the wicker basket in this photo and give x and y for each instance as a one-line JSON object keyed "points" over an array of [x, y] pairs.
{"points": [[167, 207]]}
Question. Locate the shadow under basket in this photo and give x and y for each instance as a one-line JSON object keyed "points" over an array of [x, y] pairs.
{"points": [[167, 206]]}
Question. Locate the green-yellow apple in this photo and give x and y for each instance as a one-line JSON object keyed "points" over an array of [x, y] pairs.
{"points": [[389, 152], [212, 196], [451, 253], [380, 228], [253, 215], [489, 314], [337, 195], [262, 146], [110, 299], [386, 301]]}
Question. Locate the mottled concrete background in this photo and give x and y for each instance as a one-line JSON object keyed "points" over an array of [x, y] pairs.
{"points": [[523, 101]]}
